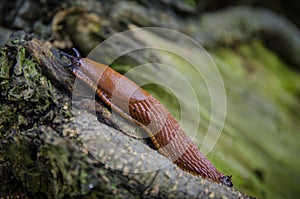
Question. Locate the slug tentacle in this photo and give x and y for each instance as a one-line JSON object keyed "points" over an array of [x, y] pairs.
{"points": [[138, 106], [76, 52]]}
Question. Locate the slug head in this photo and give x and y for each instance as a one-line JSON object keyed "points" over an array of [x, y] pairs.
{"points": [[70, 60]]}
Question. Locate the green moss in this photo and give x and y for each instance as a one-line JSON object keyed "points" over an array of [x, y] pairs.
{"points": [[26, 100], [259, 138], [24, 88], [7, 118]]}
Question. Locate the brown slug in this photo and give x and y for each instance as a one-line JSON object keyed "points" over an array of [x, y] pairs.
{"points": [[137, 105]]}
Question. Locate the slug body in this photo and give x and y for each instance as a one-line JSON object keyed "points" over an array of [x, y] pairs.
{"points": [[137, 105]]}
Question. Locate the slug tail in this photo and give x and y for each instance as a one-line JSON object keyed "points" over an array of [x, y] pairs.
{"points": [[226, 180]]}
